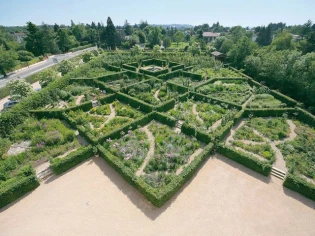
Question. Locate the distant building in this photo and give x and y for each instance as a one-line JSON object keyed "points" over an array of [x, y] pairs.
{"points": [[19, 37], [218, 56], [209, 36], [296, 37]]}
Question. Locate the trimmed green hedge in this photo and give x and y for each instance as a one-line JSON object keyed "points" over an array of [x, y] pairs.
{"points": [[170, 121], [60, 165], [199, 135], [107, 99], [170, 75], [283, 98], [17, 188], [112, 68], [136, 103], [153, 73], [262, 167], [156, 196], [57, 113], [266, 112], [176, 87], [80, 48], [156, 62], [306, 117], [300, 185], [219, 134], [179, 67], [165, 106], [130, 67]]}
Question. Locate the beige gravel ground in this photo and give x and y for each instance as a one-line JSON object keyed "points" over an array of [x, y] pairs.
{"points": [[224, 198]]}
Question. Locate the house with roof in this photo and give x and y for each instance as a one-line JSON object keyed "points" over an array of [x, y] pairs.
{"points": [[218, 56], [19, 37], [209, 36]]}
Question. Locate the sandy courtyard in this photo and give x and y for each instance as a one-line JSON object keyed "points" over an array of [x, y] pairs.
{"points": [[224, 198]]}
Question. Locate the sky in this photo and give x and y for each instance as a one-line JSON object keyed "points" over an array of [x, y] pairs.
{"points": [[227, 12]]}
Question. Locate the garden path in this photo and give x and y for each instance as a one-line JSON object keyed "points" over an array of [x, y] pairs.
{"points": [[195, 112], [78, 100], [150, 153], [191, 158], [156, 95], [112, 114], [215, 125], [248, 101]]}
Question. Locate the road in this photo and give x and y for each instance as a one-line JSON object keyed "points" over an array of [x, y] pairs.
{"points": [[27, 71]]}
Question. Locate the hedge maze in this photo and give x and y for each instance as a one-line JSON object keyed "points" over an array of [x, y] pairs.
{"points": [[155, 123]]}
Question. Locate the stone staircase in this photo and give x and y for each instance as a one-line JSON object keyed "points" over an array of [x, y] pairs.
{"points": [[179, 124], [278, 173], [45, 174]]}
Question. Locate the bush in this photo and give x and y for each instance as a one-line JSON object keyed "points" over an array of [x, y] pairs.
{"points": [[166, 106], [199, 135], [262, 167], [17, 188], [60, 165], [164, 119], [300, 185], [80, 48]]}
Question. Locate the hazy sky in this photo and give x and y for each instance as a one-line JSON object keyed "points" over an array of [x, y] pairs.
{"points": [[194, 12]]}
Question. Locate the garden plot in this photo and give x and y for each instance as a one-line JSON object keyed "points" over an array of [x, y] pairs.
{"points": [[265, 101], [299, 151], [105, 118], [152, 92], [73, 95], [202, 116], [33, 142], [235, 91], [261, 137], [123, 81], [186, 81], [216, 73], [155, 152]]}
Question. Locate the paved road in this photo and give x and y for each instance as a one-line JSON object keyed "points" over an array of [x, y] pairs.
{"points": [[25, 72]]}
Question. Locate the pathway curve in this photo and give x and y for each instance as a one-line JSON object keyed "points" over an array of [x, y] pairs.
{"points": [[112, 114], [150, 153], [191, 158], [247, 101], [156, 95], [195, 112], [215, 125], [78, 100]]}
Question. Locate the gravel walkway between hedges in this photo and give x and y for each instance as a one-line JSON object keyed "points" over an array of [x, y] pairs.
{"points": [[223, 198], [156, 95], [112, 114], [150, 153], [78, 100], [195, 112]]}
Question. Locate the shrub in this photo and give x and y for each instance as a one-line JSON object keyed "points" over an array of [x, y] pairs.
{"points": [[300, 185], [60, 165]]}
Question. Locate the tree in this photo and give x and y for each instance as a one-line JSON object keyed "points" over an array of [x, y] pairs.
{"points": [[135, 50], [155, 36], [65, 41], [49, 42], [25, 55], [8, 60], [179, 37], [110, 34], [87, 56], [19, 89], [167, 42], [65, 67], [306, 29], [283, 41], [243, 48], [127, 28], [56, 27], [264, 37], [142, 37], [226, 46], [194, 49], [33, 39], [156, 50], [46, 77], [237, 32]]}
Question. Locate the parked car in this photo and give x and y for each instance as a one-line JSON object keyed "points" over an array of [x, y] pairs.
{"points": [[9, 104]]}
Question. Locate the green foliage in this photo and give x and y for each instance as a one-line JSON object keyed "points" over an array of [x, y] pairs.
{"points": [[65, 67], [46, 77], [19, 89], [87, 56], [25, 55], [8, 60], [262, 167], [60, 165], [300, 185]]}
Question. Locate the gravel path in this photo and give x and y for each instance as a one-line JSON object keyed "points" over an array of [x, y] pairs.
{"points": [[78, 100], [223, 198], [150, 153], [112, 114], [195, 112], [156, 95], [215, 125]]}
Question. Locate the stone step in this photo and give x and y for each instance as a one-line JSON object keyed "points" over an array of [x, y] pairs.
{"points": [[278, 173], [45, 174]]}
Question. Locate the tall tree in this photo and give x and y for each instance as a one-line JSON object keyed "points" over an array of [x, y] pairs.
{"points": [[155, 36], [8, 60], [48, 37], [127, 28], [264, 37], [110, 34], [34, 39], [179, 37]]}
